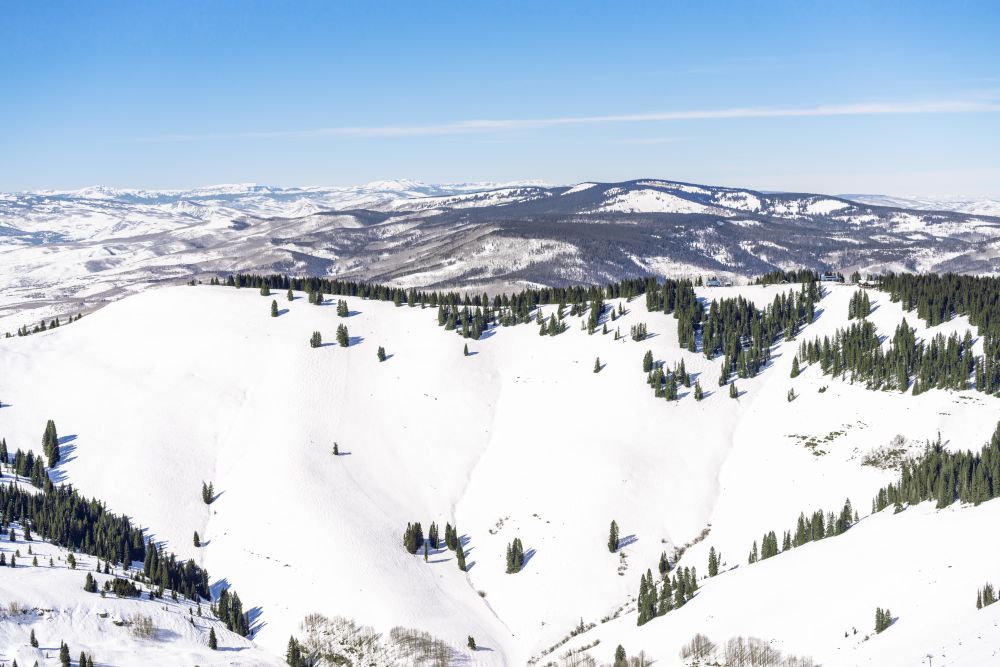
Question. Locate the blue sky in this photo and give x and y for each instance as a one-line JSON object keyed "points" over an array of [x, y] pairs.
{"points": [[892, 97]]}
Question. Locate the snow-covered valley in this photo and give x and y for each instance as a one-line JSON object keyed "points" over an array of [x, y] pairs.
{"points": [[162, 391]]}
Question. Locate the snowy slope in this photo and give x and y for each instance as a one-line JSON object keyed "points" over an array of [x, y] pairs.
{"points": [[50, 600], [521, 439]]}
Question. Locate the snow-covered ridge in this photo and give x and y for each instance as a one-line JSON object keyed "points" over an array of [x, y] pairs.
{"points": [[82, 248]]}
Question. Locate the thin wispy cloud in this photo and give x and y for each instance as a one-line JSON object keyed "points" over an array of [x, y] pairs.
{"points": [[482, 126]]}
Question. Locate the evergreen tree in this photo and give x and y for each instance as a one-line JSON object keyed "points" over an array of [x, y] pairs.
{"points": [[698, 393], [316, 340], [753, 553], [432, 535], [289, 295], [713, 562], [264, 290], [293, 654], [733, 391], [460, 553], [50, 443], [207, 493], [795, 366], [33, 640], [274, 308], [613, 538], [471, 643], [597, 365], [663, 564], [197, 540], [212, 641], [621, 660], [90, 584], [465, 350], [380, 353], [342, 338], [647, 361]]}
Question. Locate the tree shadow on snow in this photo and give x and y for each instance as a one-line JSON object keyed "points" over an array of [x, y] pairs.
{"points": [[354, 340], [528, 555], [489, 333], [219, 586], [282, 311], [255, 615], [627, 540]]}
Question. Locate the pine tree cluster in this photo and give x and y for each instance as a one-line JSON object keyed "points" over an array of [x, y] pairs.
{"points": [[343, 339], [27, 465], [780, 277], [743, 334], [665, 383], [937, 299], [944, 476], [883, 619], [941, 363], [985, 596], [342, 310], [229, 609], [166, 572], [859, 307], [671, 595], [638, 332], [296, 656], [515, 556], [413, 537], [677, 297]]}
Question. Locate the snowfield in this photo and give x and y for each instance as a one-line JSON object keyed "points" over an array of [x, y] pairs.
{"points": [[172, 387]]}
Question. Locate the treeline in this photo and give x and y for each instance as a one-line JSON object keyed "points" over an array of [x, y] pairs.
{"points": [[946, 477], [779, 277], [811, 528], [937, 299], [520, 303], [60, 515], [42, 326], [677, 297], [940, 363]]}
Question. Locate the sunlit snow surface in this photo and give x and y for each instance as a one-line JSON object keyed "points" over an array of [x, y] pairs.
{"points": [[175, 386]]}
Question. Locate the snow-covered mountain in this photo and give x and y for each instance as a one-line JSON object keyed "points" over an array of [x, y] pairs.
{"points": [[161, 391], [969, 205], [64, 252]]}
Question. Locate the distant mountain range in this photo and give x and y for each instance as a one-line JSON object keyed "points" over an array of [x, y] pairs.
{"points": [[65, 251]]}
